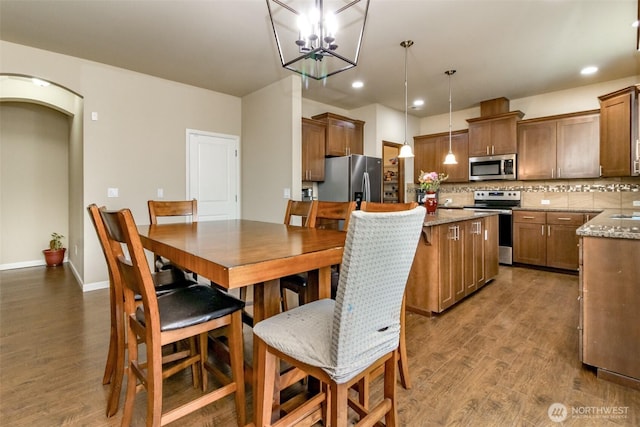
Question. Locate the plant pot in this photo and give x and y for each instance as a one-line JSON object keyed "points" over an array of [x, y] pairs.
{"points": [[54, 257]]}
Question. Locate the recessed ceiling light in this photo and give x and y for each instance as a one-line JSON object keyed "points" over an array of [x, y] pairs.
{"points": [[418, 103], [357, 84], [589, 70]]}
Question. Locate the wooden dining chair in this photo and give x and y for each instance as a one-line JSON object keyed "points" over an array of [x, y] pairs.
{"points": [[403, 362], [341, 341], [172, 209], [329, 215], [305, 212], [160, 320], [164, 281]]}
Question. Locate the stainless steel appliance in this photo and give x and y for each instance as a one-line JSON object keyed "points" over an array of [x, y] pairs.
{"points": [[492, 167], [502, 202], [307, 194], [349, 178]]}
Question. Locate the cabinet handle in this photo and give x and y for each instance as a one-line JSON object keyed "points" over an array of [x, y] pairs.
{"points": [[600, 170], [552, 176], [527, 217], [487, 150], [636, 162], [559, 172], [564, 219], [493, 149], [542, 230], [548, 230]]}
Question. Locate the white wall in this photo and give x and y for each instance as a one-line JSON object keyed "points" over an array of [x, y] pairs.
{"points": [[271, 149], [581, 98], [34, 183], [137, 144]]}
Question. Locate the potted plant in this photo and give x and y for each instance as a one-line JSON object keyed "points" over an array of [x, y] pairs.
{"points": [[55, 254]]}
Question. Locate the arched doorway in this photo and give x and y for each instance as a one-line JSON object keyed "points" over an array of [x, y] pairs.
{"points": [[41, 183]]}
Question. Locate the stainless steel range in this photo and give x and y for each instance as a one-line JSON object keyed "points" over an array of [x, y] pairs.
{"points": [[502, 202]]}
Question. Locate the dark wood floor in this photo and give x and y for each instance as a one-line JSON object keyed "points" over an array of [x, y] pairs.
{"points": [[499, 358]]}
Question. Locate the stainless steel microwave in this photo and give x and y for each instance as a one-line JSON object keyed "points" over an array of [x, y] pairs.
{"points": [[486, 168]]}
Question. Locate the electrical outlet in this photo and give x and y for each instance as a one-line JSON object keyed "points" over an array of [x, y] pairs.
{"points": [[447, 201], [287, 193], [112, 192], [636, 203], [160, 193], [545, 202]]}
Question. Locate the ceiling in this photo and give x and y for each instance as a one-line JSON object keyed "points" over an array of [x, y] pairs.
{"points": [[510, 48]]}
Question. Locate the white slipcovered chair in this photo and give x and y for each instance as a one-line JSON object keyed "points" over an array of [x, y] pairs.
{"points": [[340, 342]]}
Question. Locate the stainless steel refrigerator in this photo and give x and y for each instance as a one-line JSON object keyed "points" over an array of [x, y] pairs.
{"points": [[353, 177]]}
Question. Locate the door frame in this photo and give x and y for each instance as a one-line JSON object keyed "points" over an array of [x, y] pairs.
{"points": [[233, 138], [401, 183]]}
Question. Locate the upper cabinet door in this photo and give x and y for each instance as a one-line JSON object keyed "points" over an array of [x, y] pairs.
{"points": [[494, 135], [345, 136], [577, 148], [313, 149], [537, 150], [618, 133]]}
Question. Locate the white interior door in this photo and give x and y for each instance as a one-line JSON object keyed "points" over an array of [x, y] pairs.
{"points": [[213, 171]]}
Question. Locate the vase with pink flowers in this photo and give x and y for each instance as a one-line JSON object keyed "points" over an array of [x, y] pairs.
{"points": [[430, 183]]}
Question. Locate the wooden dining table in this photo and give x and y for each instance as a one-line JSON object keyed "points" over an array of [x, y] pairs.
{"points": [[240, 253]]}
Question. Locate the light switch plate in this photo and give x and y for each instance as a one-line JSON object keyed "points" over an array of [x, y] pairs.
{"points": [[545, 202], [287, 193], [112, 192]]}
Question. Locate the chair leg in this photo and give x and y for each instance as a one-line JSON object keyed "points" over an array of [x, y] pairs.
{"points": [[403, 361], [197, 369], [264, 379], [132, 381], [236, 356], [111, 358], [338, 404], [154, 387], [390, 390]]}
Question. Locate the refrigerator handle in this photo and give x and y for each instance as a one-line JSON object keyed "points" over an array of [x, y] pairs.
{"points": [[366, 187]]}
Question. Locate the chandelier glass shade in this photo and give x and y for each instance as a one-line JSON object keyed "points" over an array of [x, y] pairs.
{"points": [[318, 38]]}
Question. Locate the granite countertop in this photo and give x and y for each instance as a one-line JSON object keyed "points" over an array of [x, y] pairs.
{"points": [[604, 225], [445, 216]]}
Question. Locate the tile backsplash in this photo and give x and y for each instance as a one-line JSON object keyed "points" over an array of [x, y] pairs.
{"points": [[606, 193]]}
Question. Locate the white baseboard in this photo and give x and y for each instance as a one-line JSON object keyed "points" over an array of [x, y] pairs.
{"points": [[86, 287]]}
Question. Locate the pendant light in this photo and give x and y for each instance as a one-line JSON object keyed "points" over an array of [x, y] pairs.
{"points": [[450, 159], [405, 151]]}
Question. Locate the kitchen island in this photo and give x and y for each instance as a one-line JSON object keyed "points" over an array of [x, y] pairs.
{"points": [[610, 295], [456, 255]]}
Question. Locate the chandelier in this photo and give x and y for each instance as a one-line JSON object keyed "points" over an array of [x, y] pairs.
{"points": [[317, 38]]}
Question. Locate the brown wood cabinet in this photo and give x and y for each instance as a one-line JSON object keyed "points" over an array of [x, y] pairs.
{"points": [[473, 259], [491, 247], [430, 151], [450, 263], [345, 136], [546, 238], [494, 135], [559, 147], [313, 146], [609, 301], [619, 144]]}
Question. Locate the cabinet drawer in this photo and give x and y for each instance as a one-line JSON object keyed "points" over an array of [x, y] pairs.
{"points": [[565, 218], [529, 216]]}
